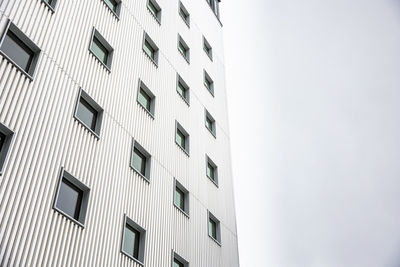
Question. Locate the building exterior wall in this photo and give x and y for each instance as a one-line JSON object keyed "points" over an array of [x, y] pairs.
{"points": [[47, 137]]}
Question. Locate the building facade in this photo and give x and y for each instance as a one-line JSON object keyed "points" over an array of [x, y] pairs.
{"points": [[114, 139]]}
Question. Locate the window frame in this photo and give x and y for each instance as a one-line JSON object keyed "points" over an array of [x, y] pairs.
{"points": [[147, 38], [213, 131], [10, 26], [206, 76], [142, 240], [99, 119], [179, 258], [147, 155], [183, 8], [186, 47], [84, 201], [186, 201], [51, 6], [207, 44], [158, 8], [179, 127], [215, 181], [110, 50], [143, 86], [117, 12], [6, 147], [217, 222], [180, 80]]}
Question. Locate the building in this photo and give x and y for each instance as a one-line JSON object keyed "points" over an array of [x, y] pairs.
{"points": [[114, 140]]}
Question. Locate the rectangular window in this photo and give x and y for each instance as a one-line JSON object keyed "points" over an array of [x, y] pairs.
{"points": [[207, 48], [6, 136], [178, 261], [51, 4], [101, 49], [184, 14], [183, 89], [19, 50], [208, 83], [114, 6], [214, 5], [150, 49], [133, 240], [210, 123], [89, 113], [181, 197], [140, 161], [183, 48], [146, 98], [71, 198], [211, 171], [181, 138], [214, 228], [154, 9]]}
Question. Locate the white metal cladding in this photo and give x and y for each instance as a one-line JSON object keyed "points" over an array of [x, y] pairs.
{"points": [[47, 137]]}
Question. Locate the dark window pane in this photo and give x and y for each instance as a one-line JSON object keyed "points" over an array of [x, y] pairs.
{"points": [[181, 90], [183, 14], [149, 49], [17, 51], [144, 99], [87, 114], [207, 83], [210, 171], [182, 49], [99, 50], [180, 138], [178, 263], [69, 199], [212, 228], [153, 9], [112, 4], [139, 161], [131, 241], [180, 198], [2, 140], [209, 124]]}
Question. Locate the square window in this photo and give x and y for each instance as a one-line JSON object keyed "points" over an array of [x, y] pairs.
{"points": [[140, 160], [214, 228], [154, 9], [17, 48], [89, 113], [210, 123], [101, 49], [181, 197], [6, 137], [146, 98], [183, 89], [178, 261], [208, 83], [114, 6], [72, 198], [184, 14], [211, 170], [150, 49], [183, 48], [51, 4], [133, 240], [181, 138], [207, 48]]}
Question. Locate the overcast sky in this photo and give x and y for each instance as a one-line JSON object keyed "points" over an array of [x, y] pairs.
{"points": [[314, 98]]}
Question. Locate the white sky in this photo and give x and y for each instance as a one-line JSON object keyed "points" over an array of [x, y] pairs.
{"points": [[314, 93]]}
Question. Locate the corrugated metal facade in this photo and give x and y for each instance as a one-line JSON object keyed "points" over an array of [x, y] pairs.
{"points": [[47, 137]]}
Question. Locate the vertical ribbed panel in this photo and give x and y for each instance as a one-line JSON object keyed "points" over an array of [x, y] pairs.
{"points": [[47, 137]]}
